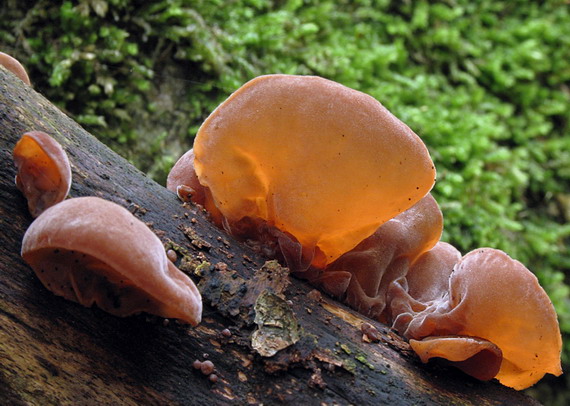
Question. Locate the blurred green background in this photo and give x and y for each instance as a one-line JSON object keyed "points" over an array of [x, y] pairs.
{"points": [[484, 83]]}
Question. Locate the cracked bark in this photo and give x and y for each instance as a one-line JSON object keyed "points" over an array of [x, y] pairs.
{"points": [[57, 352]]}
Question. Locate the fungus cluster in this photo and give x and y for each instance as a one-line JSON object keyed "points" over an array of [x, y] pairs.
{"points": [[93, 251], [327, 179], [363, 275], [489, 297], [207, 368]]}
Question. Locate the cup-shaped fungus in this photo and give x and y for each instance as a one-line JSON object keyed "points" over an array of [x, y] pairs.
{"points": [[322, 163], [477, 357], [14, 66], [44, 172], [498, 302], [384, 257], [93, 251]]}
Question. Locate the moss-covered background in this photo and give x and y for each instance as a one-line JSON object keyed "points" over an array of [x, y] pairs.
{"points": [[485, 83]]}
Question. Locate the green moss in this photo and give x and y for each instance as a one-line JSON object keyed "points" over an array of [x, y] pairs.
{"points": [[364, 360], [345, 348]]}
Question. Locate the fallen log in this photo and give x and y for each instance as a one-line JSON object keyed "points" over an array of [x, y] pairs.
{"points": [[53, 351]]}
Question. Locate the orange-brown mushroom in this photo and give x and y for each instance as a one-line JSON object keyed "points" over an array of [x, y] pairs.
{"points": [[14, 66], [93, 251], [323, 164], [494, 299], [477, 357], [371, 267], [44, 172], [338, 186]]}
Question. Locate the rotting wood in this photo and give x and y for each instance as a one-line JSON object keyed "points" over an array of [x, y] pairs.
{"points": [[56, 352]]}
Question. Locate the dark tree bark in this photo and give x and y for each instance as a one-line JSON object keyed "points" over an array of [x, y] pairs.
{"points": [[53, 351]]}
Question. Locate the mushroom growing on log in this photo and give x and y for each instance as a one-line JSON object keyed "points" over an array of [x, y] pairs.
{"points": [[55, 352], [327, 178], [363, 275], [310, 163], [44, 172], [93, 251], [498, 301]]}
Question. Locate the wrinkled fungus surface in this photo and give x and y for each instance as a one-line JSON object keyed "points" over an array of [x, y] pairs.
{"points": [[366, 272], [93, 251], [426, 281], [44, 172], [320, 162], [498, 300]]}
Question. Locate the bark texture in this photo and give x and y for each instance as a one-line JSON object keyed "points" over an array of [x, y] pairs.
{"points": [[55, 352]]}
